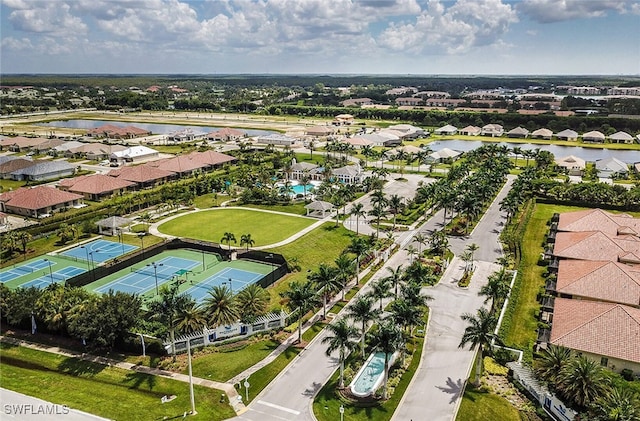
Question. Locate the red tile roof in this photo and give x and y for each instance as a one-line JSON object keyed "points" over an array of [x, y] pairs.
{"points": [[598, 220], [16, 164], [596, 245], [178, 164], [611, 330], [599, 280], [37, 197], [140, 173], [95, 184], [22, 142], [212, 157]]}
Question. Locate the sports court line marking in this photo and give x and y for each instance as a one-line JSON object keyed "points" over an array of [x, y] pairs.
{"points": [[282, 408]]}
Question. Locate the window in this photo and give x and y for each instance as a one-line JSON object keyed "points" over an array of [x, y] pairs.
{"points": [[604, 361]]}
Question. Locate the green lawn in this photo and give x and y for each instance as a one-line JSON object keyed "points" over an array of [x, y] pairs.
{"points": [[265, 228], [101, 390], [478, 405]]}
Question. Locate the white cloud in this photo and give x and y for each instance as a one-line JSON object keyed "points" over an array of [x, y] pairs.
{"points": [[45, 17], [16, 44], [548, 11], [454, 30]]}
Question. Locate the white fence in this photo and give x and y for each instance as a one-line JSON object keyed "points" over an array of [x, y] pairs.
{"points": [[220, 333]]}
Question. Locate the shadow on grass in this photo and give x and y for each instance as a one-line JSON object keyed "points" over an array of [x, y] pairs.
{"points": [[137, 380], [76, 367]]}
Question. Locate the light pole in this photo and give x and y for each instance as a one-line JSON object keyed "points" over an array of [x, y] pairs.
{"points": [[120, 238], [270, 258], [50, 272], [86, 250], [203, 265], [193, 401], [141, 236], [341, 412], [230, 285], [246, 390], [155, 272]]}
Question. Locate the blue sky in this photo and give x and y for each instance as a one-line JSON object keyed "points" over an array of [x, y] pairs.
{"points": [[499, 37]]}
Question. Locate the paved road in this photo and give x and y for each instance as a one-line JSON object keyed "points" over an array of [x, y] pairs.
{"points": [[16, 406]]}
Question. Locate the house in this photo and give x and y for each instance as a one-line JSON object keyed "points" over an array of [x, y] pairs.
{"points": [[607, 333], [567, 134], [349, 174], [185, 135], [593, 137], [112, 131], [408, 131], [143, 175], [572, 164], [38, 202], [611, 167], [20, 143], [48, 146], [447, 130], [518, 132], [134, 154], [66, 146], [44, 170], [380, 139], [10, 165], [596, 245], [225, 135], [319, 131], [598, 220], [358, 142], [493, 130], [356, 102], [212, 159], [300, 170], [96, 187], [598, 281], [443, 154], [621, 137], [542, 134], [277, 139], [94, 151], [408, 101], [471, 131]]}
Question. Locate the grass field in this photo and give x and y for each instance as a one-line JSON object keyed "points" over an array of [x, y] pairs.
{"points": [[106, 391], [265, 228], [479, 405]]}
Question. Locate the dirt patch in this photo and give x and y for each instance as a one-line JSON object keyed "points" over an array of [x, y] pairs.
{"points": [[501, 386]]}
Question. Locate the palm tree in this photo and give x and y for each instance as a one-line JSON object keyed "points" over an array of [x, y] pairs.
{"points": [[421, 240], [345, 270], [146, 220], [358, 247], [583, 381], [252, 302], [327, 282], [472, 248], [191, 319], [361, 310], [378, 212], [342, 338], [480, 333], [246, 240], [357, 210], [552, 362], [168, 308], [411, 292], [619, 404], [395, 276], [387, 339], [380, 290], [228, 237], [220, 307], [24, 237], [412, 252], [302, 297], [496, 289], [406, 315]]}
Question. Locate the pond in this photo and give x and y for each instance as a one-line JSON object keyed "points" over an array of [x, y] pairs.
{"points": [[588, 154], [152, 127]]}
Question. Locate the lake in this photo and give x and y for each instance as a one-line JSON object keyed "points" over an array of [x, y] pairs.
{"points": [[588, 154], [152, 127]]}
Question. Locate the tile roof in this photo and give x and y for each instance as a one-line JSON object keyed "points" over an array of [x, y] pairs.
{"points": [[45, 167], [15, 165], [588, 220], [37, 197], [97, 148], [22, 142], [140, 173], [592, 245], [607, 329], [178, 164], [599, 280], [212, 157], [95, 184]]}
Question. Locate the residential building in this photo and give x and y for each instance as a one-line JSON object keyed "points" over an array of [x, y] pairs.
{"points": [[572, 165], [97, 186], [225, 134], [349, 174], [611, 167], [518, 132], [143, 175], [493, 130], [134, 154], [471, 131], [44, 170], [567, 134], [542, 134], [14, 164], [447, 130], [593, 137], [277, 140], [409, 101], [356, 102], [38, 202], [621, 137]]}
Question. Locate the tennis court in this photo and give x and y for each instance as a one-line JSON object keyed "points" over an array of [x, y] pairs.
{"points": [[236, 279], [98, 251], [54, 277], [143, 279], [24, 269]]}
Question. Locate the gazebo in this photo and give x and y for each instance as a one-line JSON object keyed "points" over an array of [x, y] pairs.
{"points": [[318, 208], [112, 224]]}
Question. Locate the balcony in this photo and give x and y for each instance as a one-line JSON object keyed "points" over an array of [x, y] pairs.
{"points": [[547, 303], [544, 336], [550, 285]]}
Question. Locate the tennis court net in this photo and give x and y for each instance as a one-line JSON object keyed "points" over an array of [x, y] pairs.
{"points": [[148, 272], [70, 258]]}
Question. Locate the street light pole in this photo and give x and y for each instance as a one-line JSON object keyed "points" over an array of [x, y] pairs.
{"points": [[270, 258], [120, 238], [141, 235], [193, 401], [155, 273], [86, 250], [341, 412]]}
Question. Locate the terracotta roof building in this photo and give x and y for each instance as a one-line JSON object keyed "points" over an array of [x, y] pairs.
{"points": [[225, 134], [97, 186], [117, 132], [142, 175], [596, 245], [38, 202], [11, 165], [608, 333]]}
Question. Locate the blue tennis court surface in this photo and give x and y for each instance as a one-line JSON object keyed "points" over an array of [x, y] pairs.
{"points": [[98, 251], [143, 279], [54, 277], [239, 279], [25, 269]]}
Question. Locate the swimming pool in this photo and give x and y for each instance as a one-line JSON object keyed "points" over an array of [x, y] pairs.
{"points": [[371, 375], [299, 189]]}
